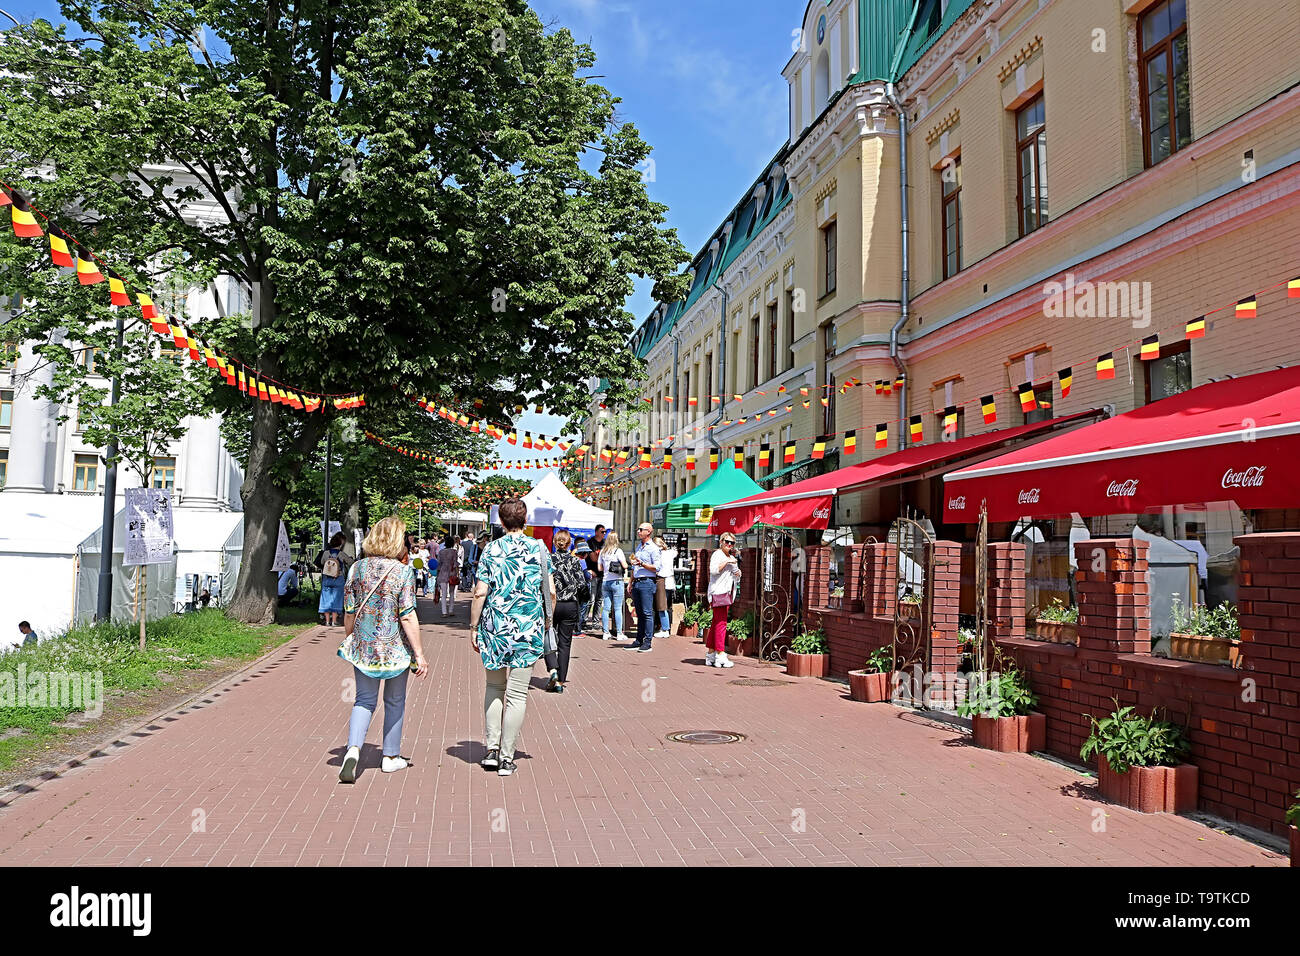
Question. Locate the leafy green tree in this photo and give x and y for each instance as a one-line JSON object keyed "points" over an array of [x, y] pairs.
{"points": [[409, 191], [494, 490]]}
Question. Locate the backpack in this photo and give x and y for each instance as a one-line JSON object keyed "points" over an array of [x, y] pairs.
{"points": [[332, 567]]}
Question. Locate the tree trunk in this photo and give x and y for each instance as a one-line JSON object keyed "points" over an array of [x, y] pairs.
{"points": [[264, 498], [351, 520]]}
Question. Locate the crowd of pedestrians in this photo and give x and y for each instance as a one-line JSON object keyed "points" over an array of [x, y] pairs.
{"points": [[528, 602]]}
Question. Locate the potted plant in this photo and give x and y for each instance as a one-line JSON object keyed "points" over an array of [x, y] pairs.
{"points": [[695, 617], [1140, 762], [1057, 623], [966, 641], [871, 684], [836, 598], [1000, 706], [739, 632], [1205, 635], [909, 603], [808, 655], [1293, 818]]}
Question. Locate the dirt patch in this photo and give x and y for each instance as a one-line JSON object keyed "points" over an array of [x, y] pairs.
{"points": [[123, 712]]}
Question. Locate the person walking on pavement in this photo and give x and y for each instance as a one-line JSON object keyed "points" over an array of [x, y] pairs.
{"points": [[381, 642], [513, 605], [570, 579], [333, 566], [470, 567], [724, 576], [448, 566], [667, 589], [596, 544], [581, 550], [613, 568], [646, 562]]}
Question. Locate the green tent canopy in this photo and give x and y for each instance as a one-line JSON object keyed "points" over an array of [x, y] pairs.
{"points": [[724, 486]]}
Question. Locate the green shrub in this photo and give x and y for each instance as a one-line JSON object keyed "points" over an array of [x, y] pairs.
{"points": [[1058, 613], [1293, 814], [697, 615], [810, 642], [881, 660], [740, 628], [1205, 622], [1126, 740], [1003, 693]]}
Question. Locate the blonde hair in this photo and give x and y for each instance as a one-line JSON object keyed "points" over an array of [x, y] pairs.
{"points": [[726, 538], [562, 540], [387, 539], [611, 542]]}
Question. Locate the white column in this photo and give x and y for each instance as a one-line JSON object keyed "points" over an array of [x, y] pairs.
{"points": [[34, 428], [202, 488], [837, 75]]}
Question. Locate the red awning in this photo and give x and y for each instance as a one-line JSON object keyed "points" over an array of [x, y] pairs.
{"points": [[1237, 440], [807, 503]]}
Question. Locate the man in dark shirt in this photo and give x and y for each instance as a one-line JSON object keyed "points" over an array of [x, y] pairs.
{"points": [[595, 542]]}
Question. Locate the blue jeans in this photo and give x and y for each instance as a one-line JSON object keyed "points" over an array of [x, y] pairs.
{"points": [[666, 617], [364, 709], [611, 593], [643, 596]]}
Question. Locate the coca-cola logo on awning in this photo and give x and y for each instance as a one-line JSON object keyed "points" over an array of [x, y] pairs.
{"points": [[822, 513], [1252, 477], [1027, 496], [957, 504], [1122, 489]]}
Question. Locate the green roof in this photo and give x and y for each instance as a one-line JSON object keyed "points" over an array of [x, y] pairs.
{"points": [[929, 23], [724, 486]]}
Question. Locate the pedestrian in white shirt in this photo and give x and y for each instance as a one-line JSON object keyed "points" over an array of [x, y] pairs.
{"points": [[724, 576]]}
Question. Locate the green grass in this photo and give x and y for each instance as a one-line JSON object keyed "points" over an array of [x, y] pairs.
{"points": [[174, 644]]}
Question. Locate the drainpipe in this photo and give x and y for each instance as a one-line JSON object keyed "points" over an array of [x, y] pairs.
{"points": [[904, 294]]}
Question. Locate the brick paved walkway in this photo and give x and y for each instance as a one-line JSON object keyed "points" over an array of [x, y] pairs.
{"points": [[248, 775]]}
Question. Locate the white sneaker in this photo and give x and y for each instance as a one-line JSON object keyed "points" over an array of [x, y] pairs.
{"points": [[661, 633], [722, 661], [393, 764], [604, 635], [710, 659], [350, 760]]}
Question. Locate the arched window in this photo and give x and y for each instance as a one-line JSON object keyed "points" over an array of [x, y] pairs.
{"points": [[822, 83]]}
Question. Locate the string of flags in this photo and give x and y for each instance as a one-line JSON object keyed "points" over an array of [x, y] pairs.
{"points": [[1029, 396], [67, 252], [495, 430]]}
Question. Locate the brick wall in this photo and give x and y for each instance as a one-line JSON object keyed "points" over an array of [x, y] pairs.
{"points": [[1243, 724]]}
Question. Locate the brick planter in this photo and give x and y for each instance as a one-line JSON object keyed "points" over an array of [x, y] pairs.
{"points": [[1150, 789], [1203, 649], [740, 648], [1056, 632], [870, 688], [684, 631], [807, 665], [1010, 735]]}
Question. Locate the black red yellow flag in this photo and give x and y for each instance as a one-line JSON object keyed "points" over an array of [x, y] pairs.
{"points": [[1026, 395], [882, 435], [1246, 307], [851, 442], [764, 455], [24, 222], [819, 448], [916, 429], [1065, 377], [1150, 348], [1196, 328], [690, 461], [950, 419], [713, 461], [788, 457], [1106, 365], [117, 290], [989, 406], [87, 272], [60, 251], [738, 456]]}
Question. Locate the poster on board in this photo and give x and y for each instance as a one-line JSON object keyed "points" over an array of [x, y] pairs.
{"points": [[282, 557], [148, 522]]}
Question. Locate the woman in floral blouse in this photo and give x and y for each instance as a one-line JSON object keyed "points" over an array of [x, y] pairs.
{"points": [[382, 642], [508, 620]]}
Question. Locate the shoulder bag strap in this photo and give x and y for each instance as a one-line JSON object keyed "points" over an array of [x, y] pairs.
{"points": [[374, 587]]}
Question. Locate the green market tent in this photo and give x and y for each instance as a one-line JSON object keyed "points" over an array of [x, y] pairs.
{"points": [[724, 486]]}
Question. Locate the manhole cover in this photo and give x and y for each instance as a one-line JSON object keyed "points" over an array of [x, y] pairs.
{"points": [[706, 737], [759, 682]]}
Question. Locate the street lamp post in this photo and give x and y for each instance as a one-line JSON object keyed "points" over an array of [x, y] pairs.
{"points": [[11, 17], [104, 599]]}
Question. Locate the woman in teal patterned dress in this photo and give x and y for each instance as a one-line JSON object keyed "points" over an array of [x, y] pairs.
{"points": [[508, 621], [382, 642]]}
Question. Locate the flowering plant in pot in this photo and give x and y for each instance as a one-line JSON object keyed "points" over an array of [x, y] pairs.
{"points": [[1000, 705], [909, 603], [836, 598], [1205, 635], [1140, 762], [1057, 623], [695, 617], [1293, 818], [871, 684], [808, 655]]}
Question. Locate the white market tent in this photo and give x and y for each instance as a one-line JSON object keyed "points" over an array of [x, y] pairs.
{"points": [[39, 536], [551, 505], [206, 543], [160, 588]]}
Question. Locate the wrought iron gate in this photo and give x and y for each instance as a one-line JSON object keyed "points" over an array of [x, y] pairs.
{"points": [[914, 561], [774, 609]]}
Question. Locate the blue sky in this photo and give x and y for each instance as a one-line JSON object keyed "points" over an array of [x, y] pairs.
{"points": [[701, 80]]}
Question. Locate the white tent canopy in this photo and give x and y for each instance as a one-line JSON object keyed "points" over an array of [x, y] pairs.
{"points": [[551, 505]]}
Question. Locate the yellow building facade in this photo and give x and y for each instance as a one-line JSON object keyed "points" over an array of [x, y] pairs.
{"points": [[1169, 133]]}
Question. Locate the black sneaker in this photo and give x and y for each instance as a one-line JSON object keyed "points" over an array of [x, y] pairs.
{"points": [[507, 767], [492, 760]]}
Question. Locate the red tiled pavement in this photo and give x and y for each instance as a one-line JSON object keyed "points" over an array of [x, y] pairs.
{"points": [[248, 775]]}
